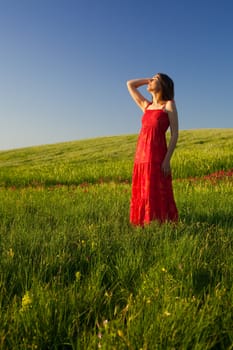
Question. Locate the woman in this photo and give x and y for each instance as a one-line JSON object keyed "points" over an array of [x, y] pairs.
{"points": [[152, 193]]}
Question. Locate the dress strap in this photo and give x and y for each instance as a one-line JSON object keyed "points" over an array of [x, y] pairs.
{"points": [[164, 106], [149, 103]]}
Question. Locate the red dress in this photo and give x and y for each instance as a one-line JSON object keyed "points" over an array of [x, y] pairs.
{"points": [[152, 193]]}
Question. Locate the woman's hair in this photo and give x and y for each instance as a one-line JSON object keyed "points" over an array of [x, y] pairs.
{"points": [[167, 87]]}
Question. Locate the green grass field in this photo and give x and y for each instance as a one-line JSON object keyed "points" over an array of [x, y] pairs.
{"points": [[74, 274]]}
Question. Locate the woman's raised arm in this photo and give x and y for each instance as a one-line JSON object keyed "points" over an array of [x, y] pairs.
{"points": [[133, 86]]}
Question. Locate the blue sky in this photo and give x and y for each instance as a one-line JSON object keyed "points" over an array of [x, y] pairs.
{"points": [[65, 63]]}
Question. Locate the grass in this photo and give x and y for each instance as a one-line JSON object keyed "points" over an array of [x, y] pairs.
{"points": [[75, 275], [111, 158]]}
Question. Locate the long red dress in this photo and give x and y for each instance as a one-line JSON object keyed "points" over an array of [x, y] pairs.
{"points": [[152, 193]]}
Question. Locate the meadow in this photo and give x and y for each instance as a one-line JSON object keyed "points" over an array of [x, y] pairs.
{"points": [[74, 274]]}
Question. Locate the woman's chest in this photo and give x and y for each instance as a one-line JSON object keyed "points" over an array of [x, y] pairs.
{"points": [[155, 119]]}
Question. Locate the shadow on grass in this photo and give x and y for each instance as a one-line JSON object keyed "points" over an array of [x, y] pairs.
{"points": [[202, 281], [220, 219]]}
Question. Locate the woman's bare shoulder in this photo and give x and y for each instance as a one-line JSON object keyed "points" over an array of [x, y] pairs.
{"points": [[170, 106]]}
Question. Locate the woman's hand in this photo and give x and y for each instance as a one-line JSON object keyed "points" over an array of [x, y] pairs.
{"points": [[166, 168], [173, 119]]}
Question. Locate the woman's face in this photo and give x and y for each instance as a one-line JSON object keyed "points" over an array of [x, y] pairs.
{"points": [[154, 84]]}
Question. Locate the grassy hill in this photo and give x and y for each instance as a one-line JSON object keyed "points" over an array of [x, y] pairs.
{"points": [[74, 274], [198, 152]]}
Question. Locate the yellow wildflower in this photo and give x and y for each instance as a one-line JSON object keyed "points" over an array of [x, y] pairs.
{"points": [[166, 313], [78, 276], [26, 301], [120, 333], [105, 323], [11, 253]]}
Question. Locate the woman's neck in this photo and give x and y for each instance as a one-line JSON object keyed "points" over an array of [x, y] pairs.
{"points": [[156, 102]]}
